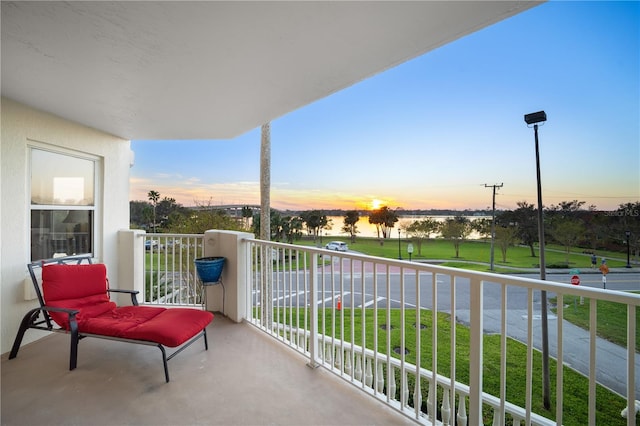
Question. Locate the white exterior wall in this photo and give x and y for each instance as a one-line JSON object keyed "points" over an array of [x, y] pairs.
{"points": [[229, 244], [20, 124]]}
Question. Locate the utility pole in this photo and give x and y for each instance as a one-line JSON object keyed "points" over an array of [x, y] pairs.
{"points": [[493, 218]]}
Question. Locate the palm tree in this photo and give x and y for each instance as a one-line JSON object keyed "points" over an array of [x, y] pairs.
{"points": [[265, 214], [154, 196], [265, 182]]}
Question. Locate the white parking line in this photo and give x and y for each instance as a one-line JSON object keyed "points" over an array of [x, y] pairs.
{"points": [[334, 297], [287, 296], [371, 302]]}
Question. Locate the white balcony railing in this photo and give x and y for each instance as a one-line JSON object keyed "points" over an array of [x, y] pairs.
{"points": [[169, 271], [296, 293], [409, 350]]}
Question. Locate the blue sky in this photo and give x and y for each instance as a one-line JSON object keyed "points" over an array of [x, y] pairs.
{"points": [[432, 132]]}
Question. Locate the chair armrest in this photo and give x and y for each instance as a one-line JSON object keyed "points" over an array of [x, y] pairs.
{"points": [[72, 312], [133, 293], [73, 323]]}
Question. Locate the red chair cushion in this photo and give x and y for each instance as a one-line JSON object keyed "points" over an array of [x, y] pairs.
{"points": [[117, 322], [84, 288], [172, 327], [79, 287], [88, 307], [63, 282]]}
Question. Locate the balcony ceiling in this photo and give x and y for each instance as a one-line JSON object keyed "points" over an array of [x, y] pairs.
{"points": [[196, 70]]}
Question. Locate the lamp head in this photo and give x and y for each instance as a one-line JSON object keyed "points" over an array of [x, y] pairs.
{"points": [[535, 117]]}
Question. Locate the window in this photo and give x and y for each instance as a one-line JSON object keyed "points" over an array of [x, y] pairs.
{"points": [[62, 204]]}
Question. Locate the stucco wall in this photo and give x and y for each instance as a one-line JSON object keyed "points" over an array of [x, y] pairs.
{"points": [[229, 244], [20, 124]]}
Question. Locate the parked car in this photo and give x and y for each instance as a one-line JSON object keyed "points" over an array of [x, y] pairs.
{"points": [[337, 246], [149, 244], [170, 244]]}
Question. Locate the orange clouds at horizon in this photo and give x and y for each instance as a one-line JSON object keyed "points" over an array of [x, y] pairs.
{"points": [[283, 198]]}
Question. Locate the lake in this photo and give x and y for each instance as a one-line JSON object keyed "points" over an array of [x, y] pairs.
{"points": [[365, 229]]}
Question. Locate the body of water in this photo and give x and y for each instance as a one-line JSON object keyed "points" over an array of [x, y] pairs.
{"points": [[365, 229]]}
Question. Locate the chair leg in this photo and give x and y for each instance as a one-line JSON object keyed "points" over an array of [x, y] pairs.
{"points": [[164, 362], [206, 343], [73, 350], [27, 320]]}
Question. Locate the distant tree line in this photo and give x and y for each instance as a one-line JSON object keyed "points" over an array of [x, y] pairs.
{"points": [[567, 224], [165, 215]]}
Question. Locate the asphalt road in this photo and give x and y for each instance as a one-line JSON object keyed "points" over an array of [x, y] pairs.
{"points": [[516, 297]]}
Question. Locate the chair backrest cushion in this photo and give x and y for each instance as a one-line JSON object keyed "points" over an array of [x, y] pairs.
{"points": [[62, 282], [81, 287]]}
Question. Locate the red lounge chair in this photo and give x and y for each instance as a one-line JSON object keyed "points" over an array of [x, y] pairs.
{"points": [[75, 296]]}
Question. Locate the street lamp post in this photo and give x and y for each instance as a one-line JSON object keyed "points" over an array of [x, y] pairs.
{"points": [[399, 250], [535, 118], [628, 234]]}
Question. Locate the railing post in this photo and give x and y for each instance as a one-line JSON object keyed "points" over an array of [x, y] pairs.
{"points": [[250, 248], [130, 263], [313, 311], [631, 344], [475, 355]]}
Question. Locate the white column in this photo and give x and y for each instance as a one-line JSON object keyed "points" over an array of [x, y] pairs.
{"points": [[130, 265], [232, 246]]}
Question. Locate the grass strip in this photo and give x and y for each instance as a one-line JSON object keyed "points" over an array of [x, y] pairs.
{"points": [[474, 251], [611, 318], [576, 387]]}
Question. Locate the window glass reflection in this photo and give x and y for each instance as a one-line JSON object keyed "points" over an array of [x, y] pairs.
{"points": [[58, 179], [57, 233]]}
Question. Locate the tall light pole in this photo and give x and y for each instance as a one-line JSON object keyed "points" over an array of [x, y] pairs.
{"points": [[628, 234], [399, 250], [535, 118]]}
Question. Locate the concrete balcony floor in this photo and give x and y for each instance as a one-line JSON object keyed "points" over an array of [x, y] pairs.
{"points": [[245, 378]]}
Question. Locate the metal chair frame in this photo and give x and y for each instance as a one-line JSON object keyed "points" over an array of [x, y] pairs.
{"points": [[32, 320]]}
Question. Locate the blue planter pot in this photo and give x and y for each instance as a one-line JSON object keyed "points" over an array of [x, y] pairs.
{"points": [[209, 269]]}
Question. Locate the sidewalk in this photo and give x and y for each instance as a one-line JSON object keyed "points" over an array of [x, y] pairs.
{"points": [[611, 359]]}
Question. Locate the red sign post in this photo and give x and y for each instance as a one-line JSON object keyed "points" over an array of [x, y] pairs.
{"points": [[575, 280]]}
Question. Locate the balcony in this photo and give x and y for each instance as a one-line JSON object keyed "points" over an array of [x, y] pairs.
{"points": [[244, 378], [374, 331]]}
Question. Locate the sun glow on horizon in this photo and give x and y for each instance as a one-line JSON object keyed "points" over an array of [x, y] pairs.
{"points": [[376, 204]]}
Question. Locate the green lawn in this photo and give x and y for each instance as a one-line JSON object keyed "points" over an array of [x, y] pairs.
{"points": [[576, 388], [474, 251]]}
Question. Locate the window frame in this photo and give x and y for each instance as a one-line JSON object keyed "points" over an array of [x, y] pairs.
{"points": [[94, 209]]}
